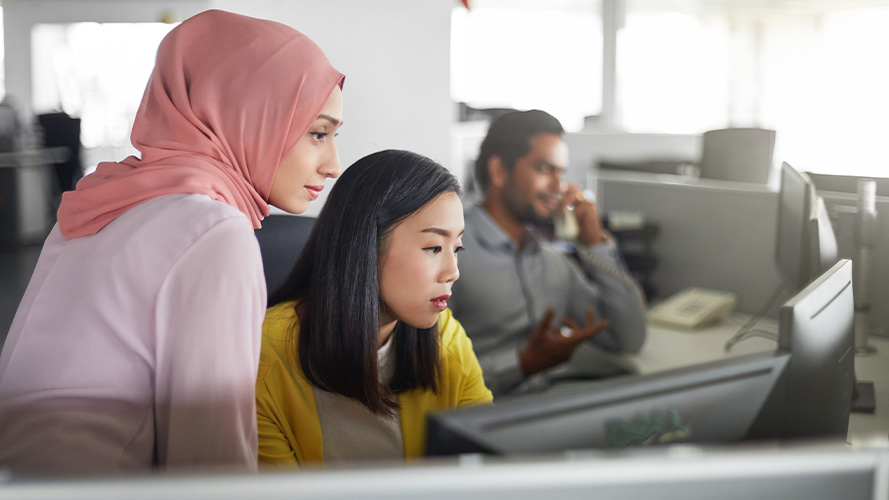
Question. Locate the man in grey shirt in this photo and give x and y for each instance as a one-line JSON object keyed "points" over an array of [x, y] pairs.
{"points": [[528, 306]]}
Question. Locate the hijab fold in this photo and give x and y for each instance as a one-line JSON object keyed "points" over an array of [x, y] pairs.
{"points": [[228, 99]]}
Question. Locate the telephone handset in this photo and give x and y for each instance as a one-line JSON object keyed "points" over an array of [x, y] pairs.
{"points": [[693, 308], [565, 226]]}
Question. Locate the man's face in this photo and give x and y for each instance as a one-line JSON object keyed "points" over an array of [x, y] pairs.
{"points": [[534, 187]]}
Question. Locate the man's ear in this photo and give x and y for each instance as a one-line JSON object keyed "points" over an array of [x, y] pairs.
{"points": [[497, 172]]}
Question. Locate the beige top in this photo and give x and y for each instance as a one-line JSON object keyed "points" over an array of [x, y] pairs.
{"points": [[351, 431]]}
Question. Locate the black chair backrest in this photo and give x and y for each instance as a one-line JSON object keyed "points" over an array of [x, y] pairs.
{"points": [[281, 239]]}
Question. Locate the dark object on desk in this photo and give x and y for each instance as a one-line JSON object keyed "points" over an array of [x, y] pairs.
{"points": [[281, 239], [863, 400], [803, 390], [636, 247]]}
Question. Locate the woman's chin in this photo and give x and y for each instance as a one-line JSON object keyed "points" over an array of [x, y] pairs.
{"points": [[424, 323]]}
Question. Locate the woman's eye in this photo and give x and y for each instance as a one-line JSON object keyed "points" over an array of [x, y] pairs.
{"points": [[319, 136], [433, 250], [458, 250]]}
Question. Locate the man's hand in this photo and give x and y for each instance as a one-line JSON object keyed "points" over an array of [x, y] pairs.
{"points": [[549, 346], [590, 227]]}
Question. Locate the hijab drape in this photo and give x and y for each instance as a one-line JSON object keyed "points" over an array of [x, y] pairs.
{"points": [[228, 99]]}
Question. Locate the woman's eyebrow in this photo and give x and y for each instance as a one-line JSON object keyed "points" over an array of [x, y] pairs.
{"points": [[440, 231], [335, 121]]}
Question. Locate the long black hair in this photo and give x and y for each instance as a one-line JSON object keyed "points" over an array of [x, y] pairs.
{"points": [[337, 278]]}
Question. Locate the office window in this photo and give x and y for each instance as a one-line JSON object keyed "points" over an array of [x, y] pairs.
{"points": [[811, 71], [672, 72], [544, 54], [824, 90], [97, 72]]}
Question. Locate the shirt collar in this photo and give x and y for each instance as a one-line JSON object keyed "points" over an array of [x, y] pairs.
{"points": [[489, 234]]}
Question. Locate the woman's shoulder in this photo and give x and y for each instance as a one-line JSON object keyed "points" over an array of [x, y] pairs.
{"points": [[168, 226], [279, 328], [281, 311], [280, 321]]}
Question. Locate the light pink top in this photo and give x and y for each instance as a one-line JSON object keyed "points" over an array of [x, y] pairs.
{"points": [[149, 329]]}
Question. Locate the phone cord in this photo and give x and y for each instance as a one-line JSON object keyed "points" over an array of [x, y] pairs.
{"points": [[597, 264]]}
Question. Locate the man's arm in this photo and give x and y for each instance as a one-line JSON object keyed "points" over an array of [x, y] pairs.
{"points": [[619, 297]]}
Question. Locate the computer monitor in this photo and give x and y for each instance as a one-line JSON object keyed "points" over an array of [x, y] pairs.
{"points": [[803, 389], [795, 207], [714, 402], [806, 244], [823, 240], [817, 327]]}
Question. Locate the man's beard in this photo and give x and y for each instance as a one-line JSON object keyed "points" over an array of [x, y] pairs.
{"points": [[523, 211]]}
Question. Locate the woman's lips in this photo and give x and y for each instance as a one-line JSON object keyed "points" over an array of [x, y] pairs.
{"points": [[441, 302], [314, 191]]}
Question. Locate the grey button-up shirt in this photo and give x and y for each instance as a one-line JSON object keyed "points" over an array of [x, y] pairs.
{"points": [[503, 293]]}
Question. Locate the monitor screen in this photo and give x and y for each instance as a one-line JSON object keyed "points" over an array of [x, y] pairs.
{"points": [[801, 390]]}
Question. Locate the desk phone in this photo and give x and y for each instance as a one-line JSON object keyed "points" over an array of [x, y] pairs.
{"points": [[693, 308]]}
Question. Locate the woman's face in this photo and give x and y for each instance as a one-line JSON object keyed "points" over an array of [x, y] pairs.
{"points": [[419, 264], [301, 174]]}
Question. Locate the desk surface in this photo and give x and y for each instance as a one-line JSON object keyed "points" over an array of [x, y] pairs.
{"points": [[667, 348]]}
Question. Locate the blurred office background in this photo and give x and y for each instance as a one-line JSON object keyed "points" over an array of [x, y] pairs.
{"points": [[635, 82]]}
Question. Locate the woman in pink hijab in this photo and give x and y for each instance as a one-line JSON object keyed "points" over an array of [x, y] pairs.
{"points": [[136, 344]]}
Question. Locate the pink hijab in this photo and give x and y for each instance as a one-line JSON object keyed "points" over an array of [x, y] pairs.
{"points": [[229, 97]]}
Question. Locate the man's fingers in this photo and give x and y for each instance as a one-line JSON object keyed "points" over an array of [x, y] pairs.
{"points": [[545, 323]]}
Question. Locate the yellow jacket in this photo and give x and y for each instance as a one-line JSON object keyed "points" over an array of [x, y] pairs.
{"points": [[289, 428]]}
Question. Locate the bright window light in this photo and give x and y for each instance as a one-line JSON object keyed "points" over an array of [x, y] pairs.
{"points": [[96, 72], [672, 73], [811, 72], [529, 54]]}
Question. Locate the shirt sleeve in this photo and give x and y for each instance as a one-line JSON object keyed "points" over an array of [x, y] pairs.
{"points": [[209, 316], [274, 446], [620, 299]]}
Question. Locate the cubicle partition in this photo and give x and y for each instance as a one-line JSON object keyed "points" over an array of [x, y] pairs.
{"points": [[712, 234]]}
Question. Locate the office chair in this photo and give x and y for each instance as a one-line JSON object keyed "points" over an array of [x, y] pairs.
{"points": [[281, 239], [61, 130], [738, 154]]}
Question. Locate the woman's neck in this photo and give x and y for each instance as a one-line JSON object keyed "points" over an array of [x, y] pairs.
{"points": [[386, 328]]}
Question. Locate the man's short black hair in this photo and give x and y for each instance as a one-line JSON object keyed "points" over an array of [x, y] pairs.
{"points": [[509, 138]]}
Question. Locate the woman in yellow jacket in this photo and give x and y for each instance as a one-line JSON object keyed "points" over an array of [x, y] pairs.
{"points": [[358, 344]]}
